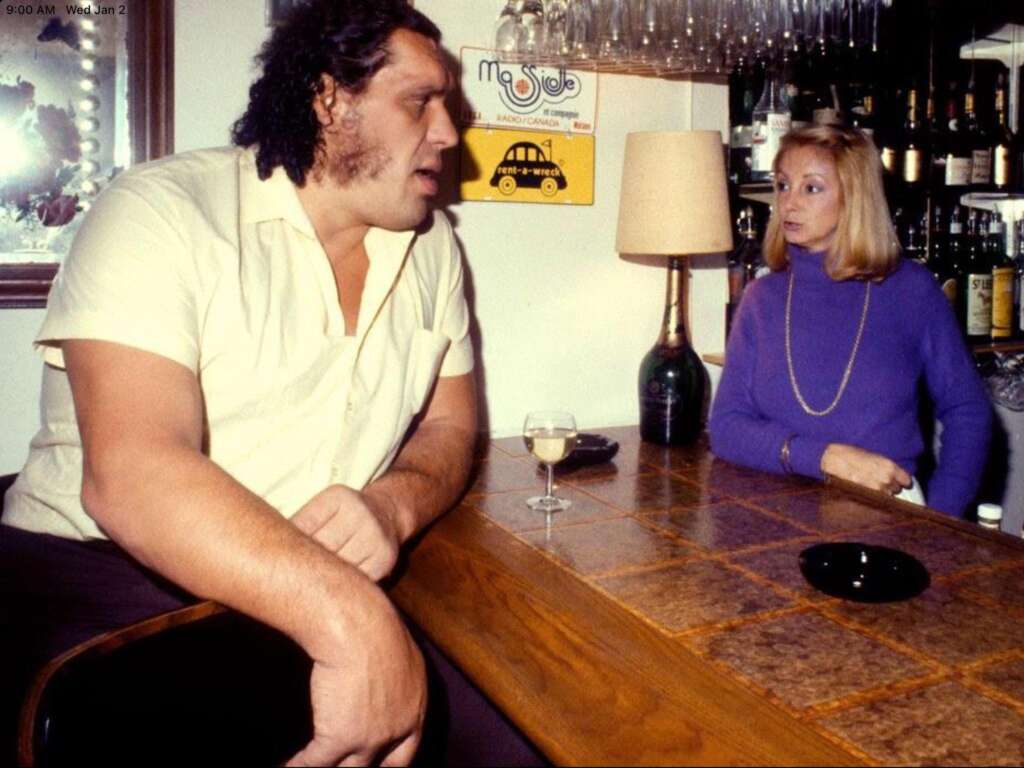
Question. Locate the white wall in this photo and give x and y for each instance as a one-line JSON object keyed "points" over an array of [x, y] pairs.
{"points": [[563, 322]]}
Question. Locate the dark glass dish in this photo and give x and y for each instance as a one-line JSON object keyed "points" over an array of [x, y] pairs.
{"points": [[863, 573], [590, 449]]}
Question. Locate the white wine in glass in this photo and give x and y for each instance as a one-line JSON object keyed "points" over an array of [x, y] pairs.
{"points": [[550, 436]]}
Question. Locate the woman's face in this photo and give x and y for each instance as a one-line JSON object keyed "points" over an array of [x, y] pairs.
{"points": [[808, 198]]}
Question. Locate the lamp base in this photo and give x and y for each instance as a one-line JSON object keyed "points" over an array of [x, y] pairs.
{"points": [[671, 395]]}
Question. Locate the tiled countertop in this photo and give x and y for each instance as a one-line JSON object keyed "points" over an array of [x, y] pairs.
{"points": [[663, 618]]}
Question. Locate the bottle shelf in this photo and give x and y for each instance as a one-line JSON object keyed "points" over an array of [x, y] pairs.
{"points": [[1005, 45], [1013, 345], [1010, 206], [762, 192]]}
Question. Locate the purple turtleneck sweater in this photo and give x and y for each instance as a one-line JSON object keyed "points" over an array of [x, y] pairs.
{"points": [[910, 334]]}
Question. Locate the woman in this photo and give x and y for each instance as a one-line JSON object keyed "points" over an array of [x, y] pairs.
{"points": [[827, 352]]}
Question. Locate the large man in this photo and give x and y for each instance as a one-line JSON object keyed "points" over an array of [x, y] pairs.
{"points": [[236, 349]]}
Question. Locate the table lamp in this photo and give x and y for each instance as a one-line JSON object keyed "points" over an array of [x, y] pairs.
{"points": [[674, 204]]}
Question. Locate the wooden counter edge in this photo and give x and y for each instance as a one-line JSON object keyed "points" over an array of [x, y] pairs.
{"points": [[586, 681]]}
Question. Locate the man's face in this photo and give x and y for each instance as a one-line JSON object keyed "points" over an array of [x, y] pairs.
{"points": [[387, 155]]}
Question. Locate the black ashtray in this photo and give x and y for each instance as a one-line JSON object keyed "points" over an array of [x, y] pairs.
{"points": [[590, 449], [863, 573]]}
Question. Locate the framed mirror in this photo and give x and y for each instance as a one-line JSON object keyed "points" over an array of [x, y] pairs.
{"points": [[86, 89]]}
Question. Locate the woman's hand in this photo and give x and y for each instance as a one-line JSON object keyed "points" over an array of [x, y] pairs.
{"points": [[872, 470]]}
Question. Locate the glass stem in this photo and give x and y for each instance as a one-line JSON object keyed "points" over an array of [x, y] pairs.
{"points": [[551, 481]]}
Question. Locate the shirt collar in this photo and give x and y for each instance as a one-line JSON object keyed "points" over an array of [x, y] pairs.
{"points": [[269, 199], [275, 198]]}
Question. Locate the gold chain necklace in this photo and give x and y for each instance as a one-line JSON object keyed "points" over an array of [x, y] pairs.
{"points": [[849, 365]]}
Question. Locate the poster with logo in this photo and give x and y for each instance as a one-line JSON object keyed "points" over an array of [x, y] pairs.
{"points": [[521, 95], [527, 167], [529, 135]]}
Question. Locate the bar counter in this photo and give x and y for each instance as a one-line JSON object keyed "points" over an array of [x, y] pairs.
{"points": [[663, 618]]}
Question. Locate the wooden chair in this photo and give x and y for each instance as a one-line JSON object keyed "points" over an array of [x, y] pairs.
{"points": [[198, 685]]}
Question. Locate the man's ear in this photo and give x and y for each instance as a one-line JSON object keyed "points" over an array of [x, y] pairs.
{"points": [[333, 104]]}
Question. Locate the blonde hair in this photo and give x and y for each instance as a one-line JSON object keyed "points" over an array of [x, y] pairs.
{"points": [[865, 245]]}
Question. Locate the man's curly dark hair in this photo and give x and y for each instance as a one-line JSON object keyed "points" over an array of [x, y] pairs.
{"points": [[345, 39]]}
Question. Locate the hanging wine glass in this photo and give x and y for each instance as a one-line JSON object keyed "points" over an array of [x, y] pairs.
{"points": [[614, 38], [580, 23], [531, 14], [556, 19], [508, 30], [647, 49], [675, 45]]}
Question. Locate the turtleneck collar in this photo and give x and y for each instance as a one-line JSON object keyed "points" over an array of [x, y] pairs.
{"points": [[808, 266]]}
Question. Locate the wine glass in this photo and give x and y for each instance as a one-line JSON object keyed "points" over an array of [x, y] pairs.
{"points": [[550, 436], [508, 30]]}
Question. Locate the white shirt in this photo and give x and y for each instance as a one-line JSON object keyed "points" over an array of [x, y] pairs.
{"points": [[195, 259]]}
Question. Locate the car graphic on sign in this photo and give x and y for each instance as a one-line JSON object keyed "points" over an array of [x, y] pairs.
{"points": [[526, 165]]}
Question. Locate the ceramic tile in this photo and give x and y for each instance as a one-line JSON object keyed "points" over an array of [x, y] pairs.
{"points": [[510, 511], [608, 545], [725, 526], [807, 659], [1005, 586], [743, 483], [945, 724], [943, 550], [940, 624], [647, 492], [781, 566], [1007, 677], [502, 473], [676, 458], [827, 511], [692, 594]]}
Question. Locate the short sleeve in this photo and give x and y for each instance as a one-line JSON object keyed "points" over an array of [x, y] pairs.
{"points": [[129, 278], [453, 314]]}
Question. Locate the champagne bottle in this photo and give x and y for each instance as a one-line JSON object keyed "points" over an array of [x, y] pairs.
{"points": [[671, 382]]}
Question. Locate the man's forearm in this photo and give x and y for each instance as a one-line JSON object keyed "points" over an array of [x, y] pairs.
{"points": [[427, 476], [183, 516]]}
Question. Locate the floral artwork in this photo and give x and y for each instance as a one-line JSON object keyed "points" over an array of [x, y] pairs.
{"points": [[43, 159], [62, 116]]}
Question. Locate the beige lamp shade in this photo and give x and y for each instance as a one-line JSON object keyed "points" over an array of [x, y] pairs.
{"points": [[674, 201]]}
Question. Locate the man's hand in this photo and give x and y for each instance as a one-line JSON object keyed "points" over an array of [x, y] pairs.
{"points": [[871, 470], [369, 708], [358, 527]]}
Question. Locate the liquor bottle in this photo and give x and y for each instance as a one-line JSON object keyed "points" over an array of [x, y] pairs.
{"points": [[671, 382], [1004, 148], [913, 146], [913, 246], [958, 152], [975, 289], [742, 264], [954, 261], [936, 141], [771, 121], [1003, 274], [937, 244], [741, 118], [977, 141], [1018, 293]]}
